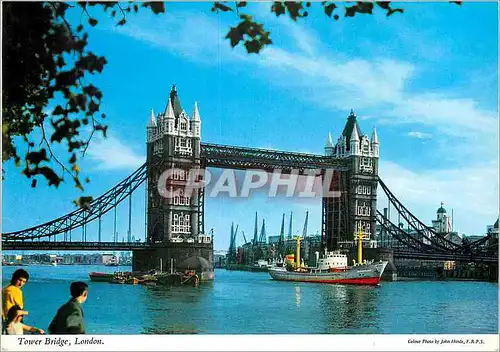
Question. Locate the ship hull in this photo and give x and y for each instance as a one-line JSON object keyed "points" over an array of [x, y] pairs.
{"points": [[101, 277], [359, 275]]}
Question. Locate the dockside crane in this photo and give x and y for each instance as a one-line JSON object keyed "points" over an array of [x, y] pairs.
{"points": [[282, 230], [263, 237], [244, 238], [232, 248], [255, 238], [281, 243], [234, 240], [290, 227], [304, 231]]}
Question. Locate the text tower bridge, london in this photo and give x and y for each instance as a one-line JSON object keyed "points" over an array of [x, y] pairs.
{"points": [[175, 225]]}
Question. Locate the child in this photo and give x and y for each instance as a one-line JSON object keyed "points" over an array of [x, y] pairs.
{"points": [[14, 325]]}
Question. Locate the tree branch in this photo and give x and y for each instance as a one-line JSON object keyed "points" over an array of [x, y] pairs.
{"points": [[52, 155]]}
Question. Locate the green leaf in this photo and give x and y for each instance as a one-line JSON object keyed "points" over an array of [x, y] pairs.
{"points": [[102, 128], [329, 9], [50, 175], [386, 5], [253, 46], [392, 11], [350, 11], [219, 6], [37, 157], [364, 7], [235, 36], [83, 202], [58, 110], [92, 22], [294, 9], [278, 8], [156, 7]]}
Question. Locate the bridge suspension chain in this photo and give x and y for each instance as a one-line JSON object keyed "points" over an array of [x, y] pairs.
{"points": [[404, 237], [414, 248], [429, 234], [79, 217]]}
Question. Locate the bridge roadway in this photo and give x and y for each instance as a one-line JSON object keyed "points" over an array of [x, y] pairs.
{"points": [[244, 158], [128, 246], [461, 257], [71, 246]]}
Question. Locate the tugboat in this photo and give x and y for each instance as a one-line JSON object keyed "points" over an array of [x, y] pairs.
{"points": [[261, 265], [112, 262], [332, 268]]}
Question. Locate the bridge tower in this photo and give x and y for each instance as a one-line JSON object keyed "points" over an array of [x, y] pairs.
{"points": [[175, 227], [357, 205], [173, 145]]}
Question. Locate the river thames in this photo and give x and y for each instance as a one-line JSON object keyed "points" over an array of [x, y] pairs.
{"points": [[252, 303]]}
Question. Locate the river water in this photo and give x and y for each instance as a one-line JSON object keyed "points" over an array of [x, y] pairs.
{"points": [[240, 302]]}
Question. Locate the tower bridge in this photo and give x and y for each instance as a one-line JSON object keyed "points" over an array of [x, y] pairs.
{"points": [[175, 226]]}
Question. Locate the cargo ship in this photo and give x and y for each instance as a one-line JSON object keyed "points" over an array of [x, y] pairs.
{"points": [[332, 268]]}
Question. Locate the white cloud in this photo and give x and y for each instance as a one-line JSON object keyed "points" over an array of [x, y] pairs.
{"points": [[337, 84], [194, 36], [455, 117], [111, 154], [419, 135], [471, 191], [376, 84]]}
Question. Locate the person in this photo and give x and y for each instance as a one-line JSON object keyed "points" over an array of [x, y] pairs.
{"points": [[14, 324], [69, 317], [12, 294]]}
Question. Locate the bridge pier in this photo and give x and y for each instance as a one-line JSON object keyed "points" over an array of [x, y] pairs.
{"points": [[159, 256], [376, 254], [493, 273]]}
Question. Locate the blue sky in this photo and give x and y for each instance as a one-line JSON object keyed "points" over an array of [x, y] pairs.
{"points": [[424, 79]]}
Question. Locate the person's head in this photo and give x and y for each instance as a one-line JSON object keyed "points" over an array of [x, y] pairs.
{"points": [[19, 278], [79, 291], [15, 314]]}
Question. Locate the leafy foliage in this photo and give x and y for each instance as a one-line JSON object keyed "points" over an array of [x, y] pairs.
{"points": [[251, 33], [46, 61], [255, 37]]}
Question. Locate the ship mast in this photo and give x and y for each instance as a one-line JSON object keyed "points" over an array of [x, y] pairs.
{"points": [[360, 236], [297, 257]]}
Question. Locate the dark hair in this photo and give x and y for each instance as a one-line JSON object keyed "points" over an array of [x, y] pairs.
{"points": [[18, 274], [12, 314], [78, 288]]}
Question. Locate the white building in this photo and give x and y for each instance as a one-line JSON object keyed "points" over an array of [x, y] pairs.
{"points": [[443, 222], [493, 229], [109, 259]]}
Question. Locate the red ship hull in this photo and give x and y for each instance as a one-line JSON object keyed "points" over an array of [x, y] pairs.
{"points": [[361, 281], [365, 274]]}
